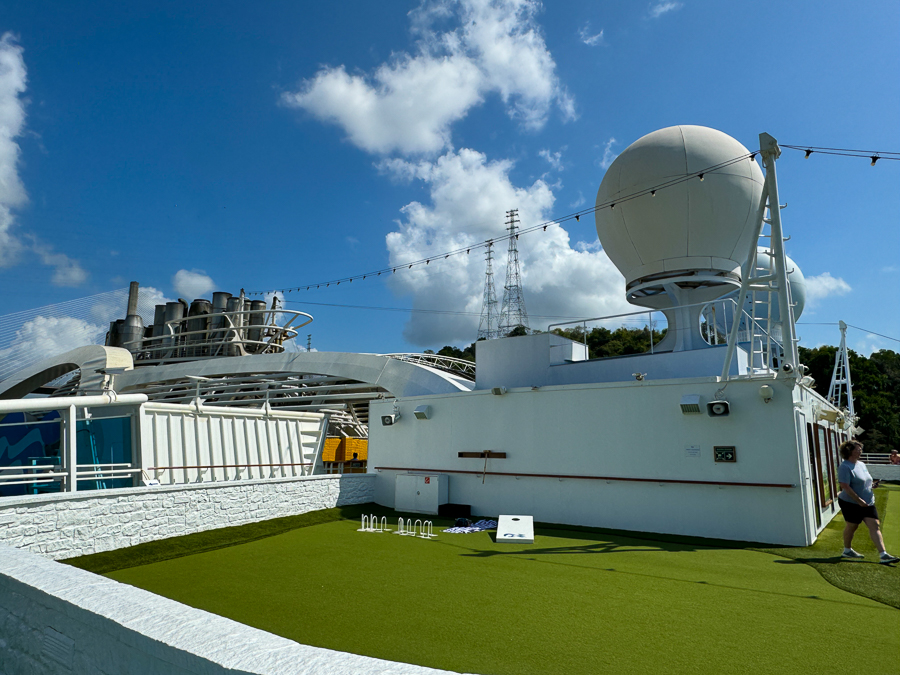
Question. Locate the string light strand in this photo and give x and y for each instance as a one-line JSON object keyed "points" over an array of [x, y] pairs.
{"points": [[652, 190]]}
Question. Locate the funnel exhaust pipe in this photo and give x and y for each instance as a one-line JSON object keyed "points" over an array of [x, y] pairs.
{"points": [[133, 291]]}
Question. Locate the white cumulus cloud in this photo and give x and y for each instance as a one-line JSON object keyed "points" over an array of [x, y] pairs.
{"points": [[151, 297], [553, 158], [66, 271], [469, 198], [608, 155], [13, 80], [657, 9], [824, 285], [192, 284], [13, 83], [409, 104], [584, 34], [46, 336]]}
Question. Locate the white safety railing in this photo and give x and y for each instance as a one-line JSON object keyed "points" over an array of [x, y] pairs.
{"points": [[716, 323], [171, 443], [68, 472], [875, 457]]}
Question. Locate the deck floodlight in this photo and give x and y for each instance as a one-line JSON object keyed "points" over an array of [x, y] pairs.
{"points": [[422, 412], [390, 420], [498, 391], [766, 393], [690, 404], [828, 415], [718, 408]]}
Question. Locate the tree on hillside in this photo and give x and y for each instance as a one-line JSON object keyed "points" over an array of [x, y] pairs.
{"points": [[876, 391], [603, 342]]}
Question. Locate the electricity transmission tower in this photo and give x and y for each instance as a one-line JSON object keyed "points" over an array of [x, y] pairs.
{"points": [[512, 312], [487, 327]]}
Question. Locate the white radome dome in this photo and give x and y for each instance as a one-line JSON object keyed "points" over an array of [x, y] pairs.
{"points": [[694, 225], [796, 281]]}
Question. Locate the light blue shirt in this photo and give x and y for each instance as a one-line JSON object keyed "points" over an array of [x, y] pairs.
{"points": [[858, 478]]}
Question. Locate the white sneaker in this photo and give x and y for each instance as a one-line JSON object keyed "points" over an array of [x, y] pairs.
{"points": [[887, 558], [850, 553]]}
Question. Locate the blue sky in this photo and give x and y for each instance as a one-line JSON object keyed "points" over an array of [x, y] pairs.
{"points": [[215, 146]]}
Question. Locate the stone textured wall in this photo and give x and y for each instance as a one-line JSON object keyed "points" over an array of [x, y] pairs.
{"points": [[66, 525], [58, 619]]}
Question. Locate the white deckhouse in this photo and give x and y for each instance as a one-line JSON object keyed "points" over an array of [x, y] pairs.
{"points": [[716, 432]]}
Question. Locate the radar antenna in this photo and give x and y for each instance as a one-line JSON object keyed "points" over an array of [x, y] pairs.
{"points": [[488, 326], [512, 312]]}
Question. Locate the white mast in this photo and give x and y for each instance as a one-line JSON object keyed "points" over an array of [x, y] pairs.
{"points": [[840, 377], [776, 280]]}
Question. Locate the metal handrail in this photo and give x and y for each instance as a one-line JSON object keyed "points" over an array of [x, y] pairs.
{"points": [[223, 466], [742, 313], [449, 364], [225, 335], [14, 476]]}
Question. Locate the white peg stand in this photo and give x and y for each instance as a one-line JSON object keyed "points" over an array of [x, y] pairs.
{"points": [[515, 529], [415, 493]]}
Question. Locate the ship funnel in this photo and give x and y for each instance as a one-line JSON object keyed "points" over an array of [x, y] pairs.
{"points": [[133, 291]]}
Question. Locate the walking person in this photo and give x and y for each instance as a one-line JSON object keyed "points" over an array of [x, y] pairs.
{"points": [[857, 502]]}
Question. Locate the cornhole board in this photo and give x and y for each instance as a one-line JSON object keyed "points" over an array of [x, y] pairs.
{"points": [[515, 529]]}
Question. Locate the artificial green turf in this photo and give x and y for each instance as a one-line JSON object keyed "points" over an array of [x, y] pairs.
{"points": [[574, 602], [868, 577], [210, 540]]}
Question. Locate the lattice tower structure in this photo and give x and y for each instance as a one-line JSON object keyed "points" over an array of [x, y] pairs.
{"points": [[512, 312], [840, 392], [488, 326]]}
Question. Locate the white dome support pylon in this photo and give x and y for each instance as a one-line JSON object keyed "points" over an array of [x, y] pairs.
{"points": [[776, 280]]}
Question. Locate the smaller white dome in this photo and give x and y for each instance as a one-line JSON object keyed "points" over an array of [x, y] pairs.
{"points": [[796, 281]]}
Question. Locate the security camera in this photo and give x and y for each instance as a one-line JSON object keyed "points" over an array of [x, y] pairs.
{"points": [[388, 420], [787, 368]]}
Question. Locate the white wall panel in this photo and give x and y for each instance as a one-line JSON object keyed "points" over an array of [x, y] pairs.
{"points": [[183, 445]]}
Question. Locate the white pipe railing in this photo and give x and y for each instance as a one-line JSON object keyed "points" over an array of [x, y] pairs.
{"points": [[753, 329], [63, 402]]}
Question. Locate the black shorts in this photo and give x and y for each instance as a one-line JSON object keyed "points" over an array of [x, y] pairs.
{"points": [[854, 513]]}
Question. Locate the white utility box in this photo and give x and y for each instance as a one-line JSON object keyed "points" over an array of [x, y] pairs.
{"points": [[421, 494]]}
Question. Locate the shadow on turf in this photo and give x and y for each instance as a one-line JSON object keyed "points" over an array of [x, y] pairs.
{"points": [[527, 554], [599, 548], [832, 561]]}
